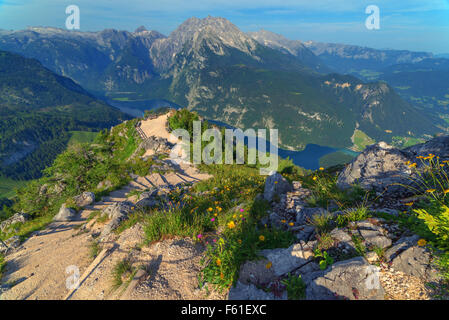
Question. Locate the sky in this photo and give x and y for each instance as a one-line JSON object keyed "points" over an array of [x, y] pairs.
{"points": [[418, 25]]}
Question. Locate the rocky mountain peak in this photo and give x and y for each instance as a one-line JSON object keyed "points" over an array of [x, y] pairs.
{"points": [[293, 47], [216, 32], [277, 41], [140, 29], [265, 35], [211, 27]]}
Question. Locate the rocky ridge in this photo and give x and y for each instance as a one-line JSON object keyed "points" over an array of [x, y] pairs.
{"points": [[373, 258]]}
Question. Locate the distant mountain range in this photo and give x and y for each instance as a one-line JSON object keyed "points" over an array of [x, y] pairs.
{"points": [[256, 79], [419, 77], [442, 55], [38, 108], [353, 59]]}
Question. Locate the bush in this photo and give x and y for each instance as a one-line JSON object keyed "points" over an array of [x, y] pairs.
{"points": [[436, 218], [296, 288], [2, 265], [286, 166], [183, 119], [431, 220]]}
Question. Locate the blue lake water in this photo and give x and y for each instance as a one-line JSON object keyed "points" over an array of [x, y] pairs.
{"points": [[307, 158], [137, 108]]}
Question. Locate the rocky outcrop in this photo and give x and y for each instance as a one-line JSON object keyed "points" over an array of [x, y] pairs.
{"points": [[157, 144], [286, 260], [117, 213], [65, 214], [250, 292], [410, 258], [401, 245], [10, 244], [84, 199], [292, 207], [353, 279], [256, 272], [147, 199], [416, 261], [19, 217], [438, 146], [379, 167], [275, 185], [305, 214], [58, 188], [357, 251], [373, 235]]}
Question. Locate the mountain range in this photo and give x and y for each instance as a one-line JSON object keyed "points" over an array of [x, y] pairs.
{"points": [[312, 92]]}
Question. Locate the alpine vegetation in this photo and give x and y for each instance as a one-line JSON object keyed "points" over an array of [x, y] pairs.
{"points": [[234, 143]]}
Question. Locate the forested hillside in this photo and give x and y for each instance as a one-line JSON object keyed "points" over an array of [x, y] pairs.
{"points": [[37, 110]]}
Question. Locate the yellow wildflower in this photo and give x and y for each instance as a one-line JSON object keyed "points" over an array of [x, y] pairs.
{"points": [[210, 209], [231, 225], [446, 191], [321, 168], [269, 265], [431, 190], [314, 178], [409, 204], [261, 238], [218, 262], [291, 224], [422, 242]]}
